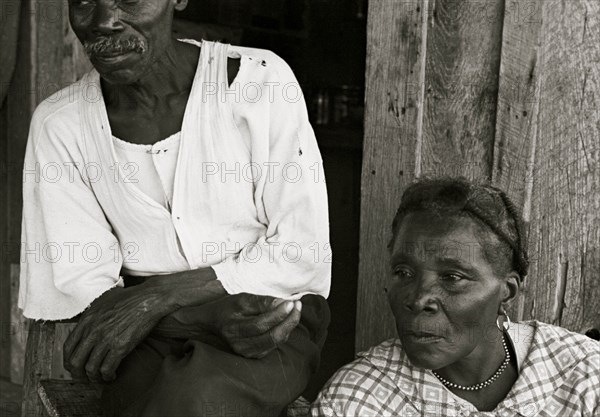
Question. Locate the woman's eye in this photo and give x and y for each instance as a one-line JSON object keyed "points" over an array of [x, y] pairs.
{"points": [[453, 277], [403, 273]]}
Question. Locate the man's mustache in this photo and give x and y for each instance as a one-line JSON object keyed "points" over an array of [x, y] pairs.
{"points": [[111, 45]]}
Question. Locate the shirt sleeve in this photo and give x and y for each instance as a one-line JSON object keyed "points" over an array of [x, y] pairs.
{"points": [[69, 255], [322, 408], [294, 257]]}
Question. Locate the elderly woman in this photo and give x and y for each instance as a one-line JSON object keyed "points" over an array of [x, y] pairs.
{"points": [[170, 203], [458, 256]]}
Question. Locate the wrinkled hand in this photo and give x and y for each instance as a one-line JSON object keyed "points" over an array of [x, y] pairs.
{"points": [[109, 329], [252, 325], [256, 325]]}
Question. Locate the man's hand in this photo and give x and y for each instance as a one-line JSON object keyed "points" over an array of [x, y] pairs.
{"points": [[252, 325], [109, 329]]}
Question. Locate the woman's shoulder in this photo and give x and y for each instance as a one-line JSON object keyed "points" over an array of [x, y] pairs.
{"points": [[568, 352], [561, 370], [372, 369], [556, 336], [377, 359]]}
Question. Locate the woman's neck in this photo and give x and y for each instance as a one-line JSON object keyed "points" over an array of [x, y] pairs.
{"points": [[477, 367]]}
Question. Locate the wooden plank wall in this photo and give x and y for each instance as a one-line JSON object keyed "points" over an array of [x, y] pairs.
{"points": [[565, 222], [49, 58], [396, 33], [510, 92], [518, 111]]}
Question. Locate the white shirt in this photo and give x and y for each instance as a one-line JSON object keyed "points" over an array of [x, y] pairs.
{"points": [[249, 196], [154, 166]]}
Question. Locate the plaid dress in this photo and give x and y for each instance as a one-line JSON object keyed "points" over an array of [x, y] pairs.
{"points": [[559, 375]]}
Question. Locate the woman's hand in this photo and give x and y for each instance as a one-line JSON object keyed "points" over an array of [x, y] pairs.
{"points": [[113, 325], [252, 325]]}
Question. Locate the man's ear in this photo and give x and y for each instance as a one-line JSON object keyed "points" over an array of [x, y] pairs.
{"points": [[511, 288], [180, 5]]}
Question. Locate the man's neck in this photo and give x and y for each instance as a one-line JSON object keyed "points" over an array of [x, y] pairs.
{"points": [[170, 75]]}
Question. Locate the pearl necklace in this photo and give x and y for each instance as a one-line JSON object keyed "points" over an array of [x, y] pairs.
{"points": [[485, 383]]}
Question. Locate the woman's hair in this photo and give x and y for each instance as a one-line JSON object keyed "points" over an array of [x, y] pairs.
{"points": [[488, 206]]}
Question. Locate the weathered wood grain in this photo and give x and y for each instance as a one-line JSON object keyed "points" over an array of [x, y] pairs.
{"points": [[395, 35], [5, 289], [518, 95], [50, 58], [10, 14], [517, 112], [38, 363], [565, 225], [17, 110], [70, 398], [461, 85], [18, 330]]}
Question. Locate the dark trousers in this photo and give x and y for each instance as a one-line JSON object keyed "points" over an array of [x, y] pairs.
{"points": [[175, 377]]}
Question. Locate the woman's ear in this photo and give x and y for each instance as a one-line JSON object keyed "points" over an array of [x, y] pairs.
{"points": [[511, 288], [180, 5]]}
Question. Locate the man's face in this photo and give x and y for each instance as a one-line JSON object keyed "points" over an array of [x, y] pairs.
{"points": [[122, 38], [444, 294]]}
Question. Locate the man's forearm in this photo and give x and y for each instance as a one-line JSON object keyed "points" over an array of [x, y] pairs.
{"points": [[179, 326], [187, 288]]}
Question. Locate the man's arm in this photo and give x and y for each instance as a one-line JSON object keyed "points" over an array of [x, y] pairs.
{"points": [[186, 304], [121, 318], [251, 325]]}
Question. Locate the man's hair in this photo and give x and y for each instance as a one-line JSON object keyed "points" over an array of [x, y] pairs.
{"points": [[487, 205]]}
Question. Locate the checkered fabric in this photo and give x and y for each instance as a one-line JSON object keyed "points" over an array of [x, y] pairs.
{"points": [[559, 376]]}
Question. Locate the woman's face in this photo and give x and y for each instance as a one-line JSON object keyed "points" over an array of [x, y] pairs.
{"points": [[444, 294]]}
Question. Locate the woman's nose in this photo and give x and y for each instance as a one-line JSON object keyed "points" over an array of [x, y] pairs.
{"points": [[106, 18], [420, 296]]}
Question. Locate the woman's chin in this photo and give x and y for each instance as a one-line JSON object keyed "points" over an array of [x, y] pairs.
{"points": [[427, 357]]}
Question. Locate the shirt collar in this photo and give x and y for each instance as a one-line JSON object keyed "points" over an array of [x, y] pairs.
{"points": [[540, 354]]}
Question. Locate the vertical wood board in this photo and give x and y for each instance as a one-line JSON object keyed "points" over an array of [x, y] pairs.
{"points": [[49, 58], [517, 113], [394, 80], [565, 222], [461, 84]]}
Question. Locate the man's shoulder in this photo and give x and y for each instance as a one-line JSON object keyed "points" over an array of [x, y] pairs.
{"points": [[56, 119], [62, 105], [266, 61], [258, 54]]}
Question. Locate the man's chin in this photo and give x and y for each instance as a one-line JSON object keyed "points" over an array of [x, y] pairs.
{"points": [[119, 76], [118, 71]]}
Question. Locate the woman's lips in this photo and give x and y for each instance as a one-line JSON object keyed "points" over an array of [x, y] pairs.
{"points": [[422, 337]]}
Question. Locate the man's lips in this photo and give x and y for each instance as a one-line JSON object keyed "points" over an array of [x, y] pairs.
{"points": [[112, 57], [109, 54]]}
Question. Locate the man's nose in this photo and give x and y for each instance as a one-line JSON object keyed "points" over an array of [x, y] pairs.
{"points": [[106, 18], [421, 295]]}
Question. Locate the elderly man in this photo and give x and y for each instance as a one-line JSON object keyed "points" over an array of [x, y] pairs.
{"points": [[172, 201]]}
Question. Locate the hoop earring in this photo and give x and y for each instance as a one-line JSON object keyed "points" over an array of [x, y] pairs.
{"points": [[505, 324]]}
